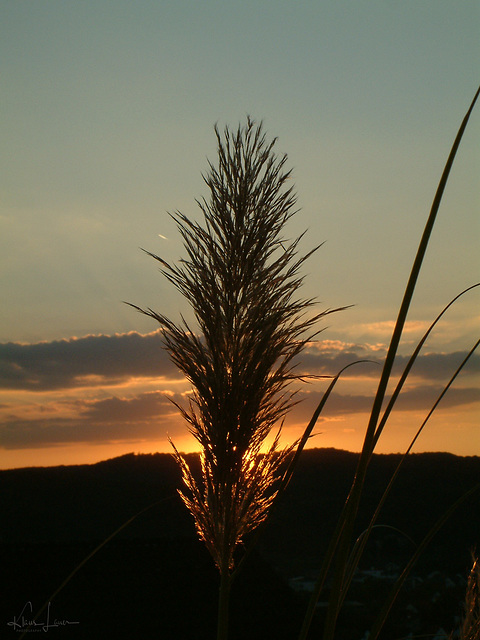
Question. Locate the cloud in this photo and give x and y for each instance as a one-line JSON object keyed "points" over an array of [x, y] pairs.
{"points": [[67, 394], [419, 398], [87, 361], [144, 407], [329, 357], [149, 416], [108, 360], [385, 328], [447, 332]]}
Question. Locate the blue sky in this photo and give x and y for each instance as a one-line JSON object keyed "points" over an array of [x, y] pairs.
{"points": [[107, 123]]}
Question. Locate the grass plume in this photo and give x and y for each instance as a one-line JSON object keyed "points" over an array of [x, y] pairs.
{"points": [[241, 277]]}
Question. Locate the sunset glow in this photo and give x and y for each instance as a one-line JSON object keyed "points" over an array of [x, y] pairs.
{"points": [[109, 115], [84, 400]]}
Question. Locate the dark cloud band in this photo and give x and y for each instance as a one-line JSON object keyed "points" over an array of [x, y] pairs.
{"points": [[100, 361], [107, 360], [151, 416], [87, 361], [148, 416]]}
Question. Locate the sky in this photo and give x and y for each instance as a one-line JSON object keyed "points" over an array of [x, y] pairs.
{"points": [[107, 116]]}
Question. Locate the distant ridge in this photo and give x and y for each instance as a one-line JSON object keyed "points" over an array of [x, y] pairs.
{"points": [[85, 502], [325, 450], [155, 570]]}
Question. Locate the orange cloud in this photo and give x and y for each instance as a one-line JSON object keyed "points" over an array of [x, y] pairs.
{"points": [[116, 389]]}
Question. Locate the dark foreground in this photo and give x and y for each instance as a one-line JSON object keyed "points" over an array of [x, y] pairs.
{"points": [[155, 580]]}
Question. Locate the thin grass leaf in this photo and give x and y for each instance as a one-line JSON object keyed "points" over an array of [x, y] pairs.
{"points": [[411, 361], [470, 629], [90, 556], [360, 544], [316, 414], [341, 547], [409, 291], [377, 627], [296, 449], [358, 550]]}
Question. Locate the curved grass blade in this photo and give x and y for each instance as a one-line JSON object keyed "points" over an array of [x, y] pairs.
{"points": [[90, 556], [410, 363], [409, 291], [470, 628], [299, 447], [377, 627], [358, 550], [369, 442], [308, 431], [362, 541]]}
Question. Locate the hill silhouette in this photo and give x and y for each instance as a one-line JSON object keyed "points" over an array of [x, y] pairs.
{"points": [[155, 577]]}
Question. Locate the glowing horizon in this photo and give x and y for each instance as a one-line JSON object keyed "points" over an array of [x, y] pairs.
{"points": [[109, 117], [91, 398]]}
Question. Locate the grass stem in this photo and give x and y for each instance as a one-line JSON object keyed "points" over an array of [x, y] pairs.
{"points": [[223, 605]]}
